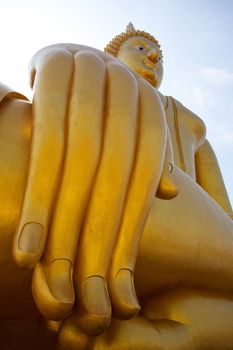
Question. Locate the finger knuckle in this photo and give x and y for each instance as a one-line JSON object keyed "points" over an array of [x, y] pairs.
{"points": [[54, 59], [89, 57], [120, 72]]}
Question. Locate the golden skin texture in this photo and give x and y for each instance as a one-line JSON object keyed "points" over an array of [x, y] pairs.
{"points": [[143, 57], [196, 154], [186, 241]]}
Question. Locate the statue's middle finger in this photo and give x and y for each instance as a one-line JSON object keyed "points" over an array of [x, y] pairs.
{"points": [[106, 205]]}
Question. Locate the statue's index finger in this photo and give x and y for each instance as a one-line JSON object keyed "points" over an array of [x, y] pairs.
{"points": [[50, 102]]}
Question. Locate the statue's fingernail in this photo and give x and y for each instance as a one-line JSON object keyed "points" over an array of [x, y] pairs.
{"points": [[60, 281], [31, 237], [95, 296], [125, 292]]}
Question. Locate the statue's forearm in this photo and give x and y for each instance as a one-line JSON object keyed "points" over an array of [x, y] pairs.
{"points": [[15, 134], [210, 178]]}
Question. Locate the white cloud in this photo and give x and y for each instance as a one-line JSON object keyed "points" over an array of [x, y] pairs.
{"points": [[217, 76], [203, 100], [202, 97], [221, 134]]}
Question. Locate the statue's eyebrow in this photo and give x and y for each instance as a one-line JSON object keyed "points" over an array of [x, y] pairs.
{"points": [[144, 42]]}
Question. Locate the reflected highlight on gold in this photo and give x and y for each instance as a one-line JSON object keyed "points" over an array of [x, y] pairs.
{"points": [[113, 209]]}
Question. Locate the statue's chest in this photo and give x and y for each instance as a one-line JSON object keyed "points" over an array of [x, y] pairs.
{"points": [[186, 133]]}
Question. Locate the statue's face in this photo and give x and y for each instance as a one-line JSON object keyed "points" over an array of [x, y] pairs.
{"points": [[144, 57]]}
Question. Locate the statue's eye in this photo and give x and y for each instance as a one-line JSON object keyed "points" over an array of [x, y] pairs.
{"points": [[140, 47]]}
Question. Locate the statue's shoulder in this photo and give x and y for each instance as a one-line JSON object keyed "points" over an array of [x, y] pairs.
{"points": [[7, 92], [190, 119]]}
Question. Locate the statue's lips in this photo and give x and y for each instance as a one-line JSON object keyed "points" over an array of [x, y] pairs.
{"points": [[149, 64]]}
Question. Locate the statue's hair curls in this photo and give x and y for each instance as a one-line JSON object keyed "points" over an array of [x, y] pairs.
{"points": [[114, 45]]}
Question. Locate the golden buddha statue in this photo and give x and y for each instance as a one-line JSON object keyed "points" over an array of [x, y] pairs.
{"points": [[106, 183]]}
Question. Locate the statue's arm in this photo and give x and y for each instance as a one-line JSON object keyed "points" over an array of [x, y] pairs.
{"points": [[8, 93], [209, 176]]}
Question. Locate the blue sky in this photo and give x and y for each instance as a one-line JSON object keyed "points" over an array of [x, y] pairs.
{"points": [[196, 39]]}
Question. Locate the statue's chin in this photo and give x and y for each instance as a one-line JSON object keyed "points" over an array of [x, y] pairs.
{"points": [[149, 76], [152, 80]]}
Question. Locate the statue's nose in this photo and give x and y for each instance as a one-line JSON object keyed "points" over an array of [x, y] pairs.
{"points": [[153, 56]]}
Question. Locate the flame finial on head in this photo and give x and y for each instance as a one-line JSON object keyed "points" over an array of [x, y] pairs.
{"points": [[130, 27], [114, 45]]}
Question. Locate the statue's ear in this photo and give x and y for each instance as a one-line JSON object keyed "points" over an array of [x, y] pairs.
{"points": [[6, 92]]}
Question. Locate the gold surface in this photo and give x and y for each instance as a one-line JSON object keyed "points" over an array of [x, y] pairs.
{"points": [[111, 192], [115, 44]]}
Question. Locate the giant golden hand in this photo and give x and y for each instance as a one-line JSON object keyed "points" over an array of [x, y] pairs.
{"points": [[97, 154]]}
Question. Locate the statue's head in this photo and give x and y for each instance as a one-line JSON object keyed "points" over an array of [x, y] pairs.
{"points": [[140, 51]]}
